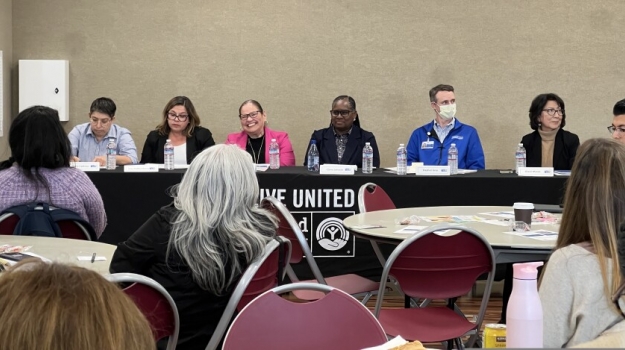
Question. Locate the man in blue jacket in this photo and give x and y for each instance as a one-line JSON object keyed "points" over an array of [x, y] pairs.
{"points": [[430, 143]]}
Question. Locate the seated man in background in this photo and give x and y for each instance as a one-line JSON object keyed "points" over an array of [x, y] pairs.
{"points": [[618, 123], [430, 143], [89, 140]]}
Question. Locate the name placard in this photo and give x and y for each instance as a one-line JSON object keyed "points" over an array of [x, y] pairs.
{"points": [[433, 170], [535, 171], [336, 169], [85, 166], [142, 168]]}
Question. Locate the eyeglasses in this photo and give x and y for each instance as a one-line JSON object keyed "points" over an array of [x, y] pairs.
{"points": [[613, 128], [252, 115], [103, 122], [177, 117], [342, 113], [552, 111]]}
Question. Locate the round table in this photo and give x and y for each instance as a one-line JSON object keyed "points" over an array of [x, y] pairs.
{"points": [[508, 248], [65, 250]]}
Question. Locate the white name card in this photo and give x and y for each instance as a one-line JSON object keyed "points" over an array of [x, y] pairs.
{"points": [[535, 171], [336, 169], [85, 166], [433, 170], [142, 168]]}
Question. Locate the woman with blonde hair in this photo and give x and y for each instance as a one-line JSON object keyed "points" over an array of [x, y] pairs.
{"points": [[198, 247], [583, 272], [61, 307]]}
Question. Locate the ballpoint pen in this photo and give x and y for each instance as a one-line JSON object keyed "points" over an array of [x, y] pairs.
{"points": [[93, 258]]}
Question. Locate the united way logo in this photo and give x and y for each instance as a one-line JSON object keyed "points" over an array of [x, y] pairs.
{"points": [[325, 233], [331, 234]]}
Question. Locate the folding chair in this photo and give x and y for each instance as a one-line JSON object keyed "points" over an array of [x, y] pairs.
{"points": [[259, 277], [288, 227], [334, 321], [154, 302], [69, 228], [432, 266], [372, 197]]}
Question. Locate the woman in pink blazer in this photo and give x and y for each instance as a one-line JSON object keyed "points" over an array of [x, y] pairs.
{"points": [[256, 136]]}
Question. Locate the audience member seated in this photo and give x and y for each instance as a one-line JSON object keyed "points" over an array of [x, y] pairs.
{"points": [[430, 143], [343, 141], [38, 169], [255, 136], [51, 306], [89, 140], [199, 246], [617, 129], [549, 145], [181, 124], [614, 337], [583, 272]]}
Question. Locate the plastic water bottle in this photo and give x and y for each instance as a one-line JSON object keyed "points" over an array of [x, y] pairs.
{"points": [[168, 155], [401, 160], [520, 157], [111, 153], [274, 155], [367, 159], [524, 320], [452, 159], [313, 157]]}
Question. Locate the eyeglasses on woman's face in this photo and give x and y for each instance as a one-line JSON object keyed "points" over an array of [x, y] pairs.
{"points": [[177, 117], [342, 112], [252, 115], [553, 112]]}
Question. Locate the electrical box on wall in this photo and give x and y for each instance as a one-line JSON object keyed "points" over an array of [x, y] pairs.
{"points": [[45, 83]]}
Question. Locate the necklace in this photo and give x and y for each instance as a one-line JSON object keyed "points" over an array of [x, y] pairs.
{"points": [[256, 157]]}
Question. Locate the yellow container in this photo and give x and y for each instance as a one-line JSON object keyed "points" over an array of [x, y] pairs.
{"points": [[495, 335]]}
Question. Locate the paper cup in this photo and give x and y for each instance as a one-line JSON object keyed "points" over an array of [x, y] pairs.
{"points": [[523, 212]]}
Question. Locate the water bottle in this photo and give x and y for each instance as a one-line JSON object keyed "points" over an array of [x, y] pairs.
{"points": [[313, 157], [520, 157], [169, 155], [274, 155], [452, 159], [524, 319], [401, 160], [367, 159], [111, 153]]}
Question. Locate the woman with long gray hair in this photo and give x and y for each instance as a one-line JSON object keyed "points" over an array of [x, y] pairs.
{"points": [[198, 246]]}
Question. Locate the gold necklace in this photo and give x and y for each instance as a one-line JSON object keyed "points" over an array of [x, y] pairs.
{"points": [[254, 156]]}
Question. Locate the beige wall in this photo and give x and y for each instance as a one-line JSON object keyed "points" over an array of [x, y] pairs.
{"points": [[296, 56], [6, 46]]}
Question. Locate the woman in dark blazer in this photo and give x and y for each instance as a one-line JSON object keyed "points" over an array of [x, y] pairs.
{"points": [[549, 145], [343, 141], [181, 125]]}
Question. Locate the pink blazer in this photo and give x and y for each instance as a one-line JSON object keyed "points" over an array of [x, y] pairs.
{"points": [[287, 157]]}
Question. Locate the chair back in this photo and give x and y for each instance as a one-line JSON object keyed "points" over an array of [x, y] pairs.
{"points": [[8, 221], [335, 321], [372, 197], [289, 228], [262, 275], [429, 265], [48, 221], [155, 303]]}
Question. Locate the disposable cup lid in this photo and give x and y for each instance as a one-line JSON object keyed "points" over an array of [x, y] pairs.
{"points": [[521, 205]]}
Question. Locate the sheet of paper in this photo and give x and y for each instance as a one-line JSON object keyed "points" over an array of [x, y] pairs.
{"points": [[89, 257], [502, 214], [541, 235], [466, 171], [262, 167], [410, 229], [452, 218], [176, 166], [365, 227]]}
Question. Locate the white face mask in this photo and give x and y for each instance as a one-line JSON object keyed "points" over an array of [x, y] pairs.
{"points": [[447, 111]]}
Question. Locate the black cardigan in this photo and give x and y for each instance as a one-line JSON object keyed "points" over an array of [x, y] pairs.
{"points": [[155, 144], [326, 145], [564, 149]]}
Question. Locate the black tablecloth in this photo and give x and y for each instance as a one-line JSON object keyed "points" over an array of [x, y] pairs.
{"points": [[319, 202]]}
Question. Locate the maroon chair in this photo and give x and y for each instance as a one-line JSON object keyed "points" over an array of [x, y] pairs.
{"points": [[259, 277], [334, 321], [432, 266], [372, 197], [69, 228], [155, 303], [350, 283]]}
